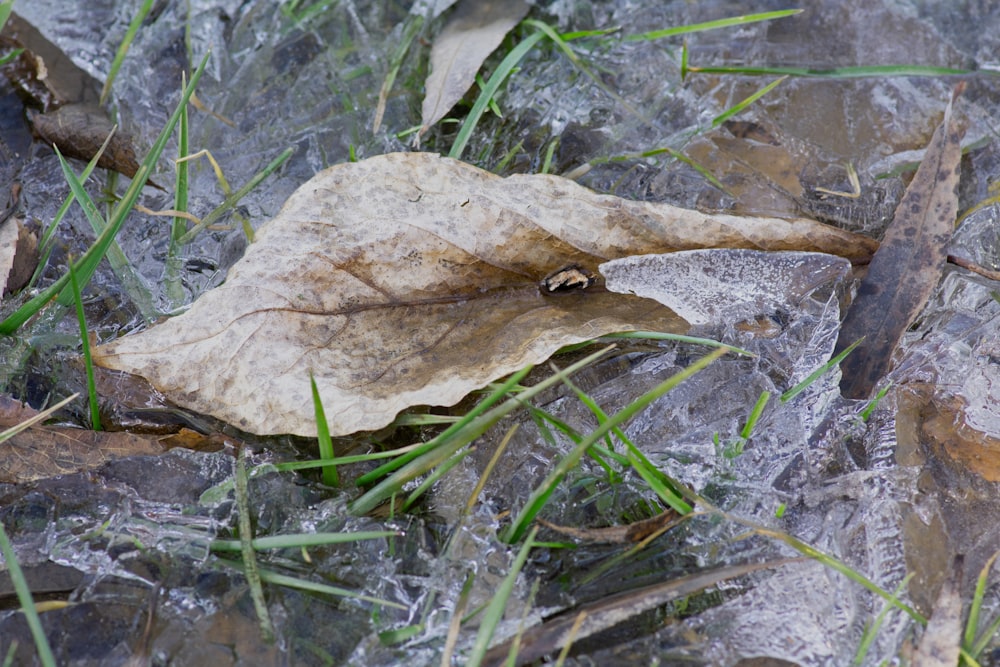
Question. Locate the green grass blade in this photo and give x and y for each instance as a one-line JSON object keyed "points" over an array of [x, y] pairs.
{"points": [[5, 9], [129, 279], [834, 564], [305, 585], [495, 611], [712, 25], [972, 624], [503, 70], [680, 338], [88, 361], [429, 481], [133, 29], [24, 597], [411, 28], [839, 72], [233, 199], [330, 476], [45, 244], [173, 288], [299, 540], [247, 550], [444, 447], [740, 106], [871, 632], [87, 264], [819, 372], [448, 433], [755, 414], [866, 413], [541, 495]]}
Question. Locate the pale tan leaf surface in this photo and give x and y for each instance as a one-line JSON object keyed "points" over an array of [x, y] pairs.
{"points": [[412, 279], [474, 30], [908, 265]]}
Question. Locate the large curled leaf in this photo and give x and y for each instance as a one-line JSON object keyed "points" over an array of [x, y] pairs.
{"points": [[413, 279]]}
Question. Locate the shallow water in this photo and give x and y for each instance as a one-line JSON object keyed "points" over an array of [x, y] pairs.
{"points": [[890, 497]]}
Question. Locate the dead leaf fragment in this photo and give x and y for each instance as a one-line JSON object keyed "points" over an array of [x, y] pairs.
{"points": [[908, 265], [473, 32], [18, 255], [411, 279], [42, 451], [80, 130]]}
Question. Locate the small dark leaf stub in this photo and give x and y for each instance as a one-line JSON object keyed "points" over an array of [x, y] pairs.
{"points": [[568, 279]]}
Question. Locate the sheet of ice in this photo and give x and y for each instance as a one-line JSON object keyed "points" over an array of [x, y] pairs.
{"points": [[724, 285]]}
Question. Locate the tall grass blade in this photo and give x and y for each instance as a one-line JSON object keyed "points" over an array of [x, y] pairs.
{"points": [[247, 550], [88, 361], [740, 106], [5, 9], [503, 70], [24, 597], [819, 372], [173, 288], [712, 25], [330, 476], [299, 540], [129, 279], [495, 611], [972, 624], [450, 432], [116, 64], [871, 632]]}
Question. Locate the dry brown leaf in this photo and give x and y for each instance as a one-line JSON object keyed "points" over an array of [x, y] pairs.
{"points": [[475, 29], [80, 130], [411, 279], [907, 266], [46, 451]]}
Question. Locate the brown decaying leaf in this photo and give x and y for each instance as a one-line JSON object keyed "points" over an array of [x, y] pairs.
{"points": [[42, 451], [412, 279], [46, 451], [474, 30], [79, 131], [908, 265]]}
